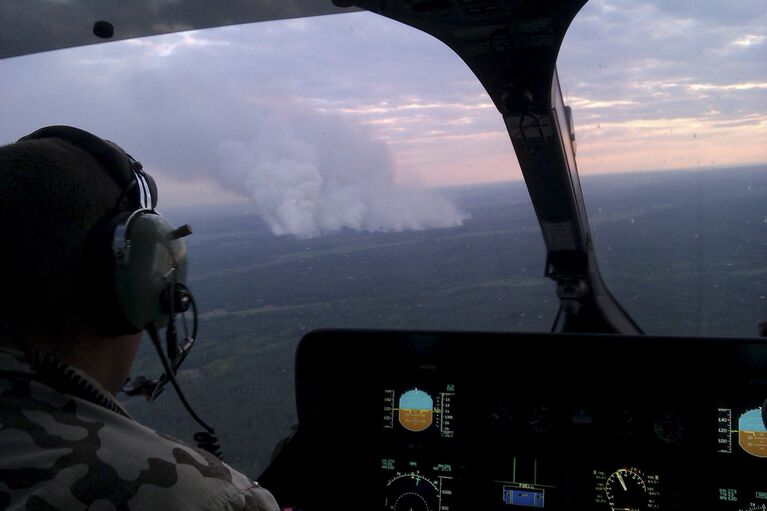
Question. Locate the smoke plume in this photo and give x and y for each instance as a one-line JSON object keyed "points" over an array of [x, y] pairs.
{"points": [[313, 174]]}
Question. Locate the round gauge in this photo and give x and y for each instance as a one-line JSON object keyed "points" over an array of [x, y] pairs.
{"points": [[626, 490], [411, 492], [540, 420], [625, 423], [501, 416], [669, 427]]}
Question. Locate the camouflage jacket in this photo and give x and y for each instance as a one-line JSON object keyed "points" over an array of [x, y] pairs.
{"points": [[80, 450]]}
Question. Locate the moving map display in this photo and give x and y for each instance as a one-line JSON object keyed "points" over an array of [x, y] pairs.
{"points": [[417, 486]]}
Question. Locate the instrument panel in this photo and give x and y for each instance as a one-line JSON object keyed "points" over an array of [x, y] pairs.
{"points": [[414, 421]]}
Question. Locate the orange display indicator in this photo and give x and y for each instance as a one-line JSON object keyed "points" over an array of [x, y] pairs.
{"points": [[415, 420], [416, 410], [752, 435]]}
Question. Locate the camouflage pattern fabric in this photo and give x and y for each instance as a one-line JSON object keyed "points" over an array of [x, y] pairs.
{"points": [[58, 451]]}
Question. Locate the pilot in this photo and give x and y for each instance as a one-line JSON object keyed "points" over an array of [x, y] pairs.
{"points": [[67, 344]]}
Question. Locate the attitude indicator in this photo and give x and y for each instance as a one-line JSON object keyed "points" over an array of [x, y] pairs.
{"points": [[416, 409], [751, 432]]}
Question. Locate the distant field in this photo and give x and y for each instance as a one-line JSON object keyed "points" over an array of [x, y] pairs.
{"points": [[684, 252]]}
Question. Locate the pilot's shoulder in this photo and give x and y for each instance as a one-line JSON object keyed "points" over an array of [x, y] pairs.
{"points": [[66, 452], [160, 472], [217, 485], [172, 475]]}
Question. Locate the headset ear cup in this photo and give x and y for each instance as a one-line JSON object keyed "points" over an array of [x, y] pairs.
{"points": [[122, 292], [152, 259], [98, 298]]}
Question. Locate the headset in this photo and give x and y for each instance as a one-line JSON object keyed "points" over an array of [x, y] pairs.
{"points": [[133, 254], [133, 269]]}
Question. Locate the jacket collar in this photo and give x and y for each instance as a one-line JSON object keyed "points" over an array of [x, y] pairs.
{"points": [[59, 376]]}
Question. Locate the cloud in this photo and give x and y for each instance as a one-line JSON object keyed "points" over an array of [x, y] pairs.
{"points": [[587, 104], [749, 40], [187, 106], [173, 100], [634, 70], [721, 12], [727, 86]]}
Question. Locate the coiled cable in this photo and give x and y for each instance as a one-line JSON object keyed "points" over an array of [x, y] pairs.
{"points": [[207, 439]]}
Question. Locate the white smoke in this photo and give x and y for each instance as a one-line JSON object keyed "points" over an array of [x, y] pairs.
{"points": [[312, 174]]}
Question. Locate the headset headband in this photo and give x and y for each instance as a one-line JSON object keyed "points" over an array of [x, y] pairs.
{"points": [[125, 171], [146, 199]]}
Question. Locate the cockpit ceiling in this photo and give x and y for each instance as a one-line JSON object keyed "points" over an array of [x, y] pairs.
{"points": [[31, 26]]}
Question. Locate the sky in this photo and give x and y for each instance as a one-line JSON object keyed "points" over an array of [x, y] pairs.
{"points": [[327, 122]]}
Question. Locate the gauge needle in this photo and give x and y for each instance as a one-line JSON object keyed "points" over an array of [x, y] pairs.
{"points": [[623, 483]]}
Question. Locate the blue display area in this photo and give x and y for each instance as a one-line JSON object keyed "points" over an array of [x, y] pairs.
{"points": [[523, 497], [416, 400], [752, 421]]}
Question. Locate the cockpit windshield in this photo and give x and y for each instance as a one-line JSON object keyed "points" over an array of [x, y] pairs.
{"points": [[679, 90], [350, 171]]}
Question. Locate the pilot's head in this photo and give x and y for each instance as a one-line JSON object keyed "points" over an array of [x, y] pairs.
{"points": [[59, 188]]}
